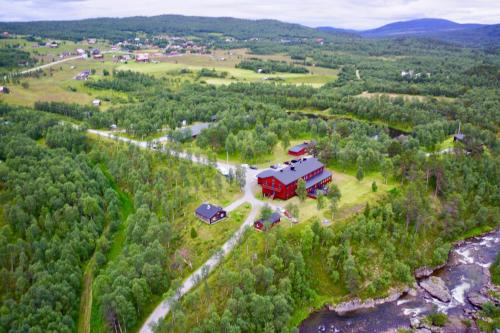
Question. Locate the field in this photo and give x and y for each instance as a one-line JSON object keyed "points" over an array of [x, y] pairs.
{"points": [[58, 84], [366, 94], [225, 61], [234, 74]]}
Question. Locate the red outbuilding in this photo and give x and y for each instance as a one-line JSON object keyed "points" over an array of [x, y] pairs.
{"points": [[282, 183], [271, 221], [301, 149]]}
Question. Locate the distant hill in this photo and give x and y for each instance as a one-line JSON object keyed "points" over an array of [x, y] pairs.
{"points": [[121, 28], [471, 34], [340, 30], [424, 27], [487, 36]]}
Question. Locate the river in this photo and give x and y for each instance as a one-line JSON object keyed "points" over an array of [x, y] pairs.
{"points": [[466, 271]]}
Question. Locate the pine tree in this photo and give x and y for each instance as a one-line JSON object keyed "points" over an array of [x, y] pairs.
{"points": [[360, 174]]}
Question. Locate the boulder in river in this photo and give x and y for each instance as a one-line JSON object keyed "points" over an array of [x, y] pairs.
{"points": [[423, 330], [414, 322], [437, 288], [425, 271], [477, 299]]}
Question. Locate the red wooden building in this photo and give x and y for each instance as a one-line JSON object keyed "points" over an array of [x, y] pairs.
{"points": [[283, 183], [301, 149], [272, 221], [298, 150]]}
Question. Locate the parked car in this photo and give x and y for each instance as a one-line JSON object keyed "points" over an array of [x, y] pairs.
{"points": [[253, 167], [274, 166], [244, 165]]}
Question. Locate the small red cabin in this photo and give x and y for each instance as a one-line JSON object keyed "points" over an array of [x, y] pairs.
{"points": [[298, 150], [301, 149], [272, 220]]}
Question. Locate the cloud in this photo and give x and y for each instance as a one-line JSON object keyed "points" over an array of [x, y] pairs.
{"points": [[354, 14]]}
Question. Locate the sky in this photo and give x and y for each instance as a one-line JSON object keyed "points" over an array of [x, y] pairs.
{"points": [[350, 14]]}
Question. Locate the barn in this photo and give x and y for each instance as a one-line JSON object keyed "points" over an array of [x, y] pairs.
{"points": [[210, 214], [282, 183]]}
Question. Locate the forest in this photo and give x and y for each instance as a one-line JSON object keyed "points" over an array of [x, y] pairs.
{"points": [[61, 210], [94, 224], [11, 58]]}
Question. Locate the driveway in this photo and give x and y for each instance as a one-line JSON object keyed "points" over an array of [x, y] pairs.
{"points": [[202, 272]]}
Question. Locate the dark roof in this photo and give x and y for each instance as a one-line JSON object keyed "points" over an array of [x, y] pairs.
{"points": [[294, 171], [207, 210], [298, 148], [275, 217], [316, 179], [197, 128]]}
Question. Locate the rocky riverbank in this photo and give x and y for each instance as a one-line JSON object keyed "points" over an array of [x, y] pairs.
{"points": [[459, 288]]}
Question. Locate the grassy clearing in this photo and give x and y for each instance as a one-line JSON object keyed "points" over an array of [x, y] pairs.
{"points": [[58, 84], [211, 237], [355, 195], [278, 155], [446, 144], [366, 94], [64, 46], [327, 115], [225, 61], [234, 74]]}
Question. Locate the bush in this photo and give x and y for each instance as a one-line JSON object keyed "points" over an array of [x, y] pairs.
{"points": [[495, 270], [437, 319], [194, 234]]}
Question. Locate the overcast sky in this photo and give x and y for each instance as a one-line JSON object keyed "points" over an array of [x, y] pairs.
{"points": [[354, 14]]}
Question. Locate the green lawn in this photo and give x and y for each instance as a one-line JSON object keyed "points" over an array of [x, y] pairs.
{"points": [[355, 195], [446, 144], [211, 237]]}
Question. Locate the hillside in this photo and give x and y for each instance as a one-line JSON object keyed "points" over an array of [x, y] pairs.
{"points": [[484, 36], [422, 27], [470, 35], [122, 28]]}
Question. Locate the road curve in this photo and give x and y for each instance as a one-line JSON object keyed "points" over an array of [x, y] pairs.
{"points": [[66, 59], [202, 272], [49, 64]]}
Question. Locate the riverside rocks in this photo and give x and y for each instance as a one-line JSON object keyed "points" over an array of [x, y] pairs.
{"points": [[358, 304], [477, 299], [436, 287], [425, 271]]}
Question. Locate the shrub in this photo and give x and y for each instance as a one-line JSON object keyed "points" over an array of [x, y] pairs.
{"points": [[437, 319], [194, 234]]}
